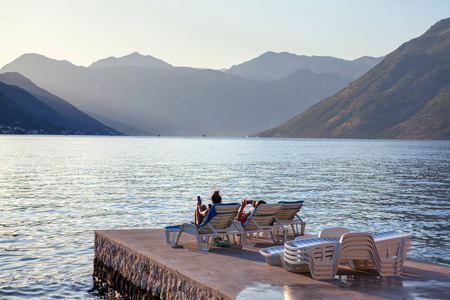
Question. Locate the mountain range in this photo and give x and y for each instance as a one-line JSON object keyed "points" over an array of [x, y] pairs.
{"points": [[139, 94], [406, 96], [273, 66], [26, 106], [133, 59]]}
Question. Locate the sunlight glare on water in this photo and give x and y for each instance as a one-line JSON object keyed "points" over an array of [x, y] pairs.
{"points": [[56, 190]]}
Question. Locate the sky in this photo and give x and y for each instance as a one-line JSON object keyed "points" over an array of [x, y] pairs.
{"points": [[208, 33]]}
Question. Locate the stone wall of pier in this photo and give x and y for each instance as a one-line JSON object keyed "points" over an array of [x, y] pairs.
{"points": [[137, 276]]}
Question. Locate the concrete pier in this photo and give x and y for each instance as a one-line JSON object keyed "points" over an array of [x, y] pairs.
{"points": [[140, 265]]}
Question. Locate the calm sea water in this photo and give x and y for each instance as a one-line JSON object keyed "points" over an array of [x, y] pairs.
{"points": [[56, 190]]}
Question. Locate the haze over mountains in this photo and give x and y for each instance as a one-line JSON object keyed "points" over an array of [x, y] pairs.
{"points": [[139, 94], [406, 96], [26, 106], [14, 118], [273, 66]]}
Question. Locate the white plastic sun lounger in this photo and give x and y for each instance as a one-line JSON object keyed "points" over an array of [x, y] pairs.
{"points": [[273, 254], [392, 248], [324, 257], [218, 222], [300, 255], [263, 220], [323, 262], [385, 252], [288, 216]]}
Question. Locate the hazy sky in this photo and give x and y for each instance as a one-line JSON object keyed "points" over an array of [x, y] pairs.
{"points": [[211, 34]]}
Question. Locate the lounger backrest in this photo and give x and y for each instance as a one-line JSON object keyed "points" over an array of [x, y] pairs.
{"points": [[289, 209], [357, 245], [223, 218], [333, 232], [264, 215], [392, 243]]}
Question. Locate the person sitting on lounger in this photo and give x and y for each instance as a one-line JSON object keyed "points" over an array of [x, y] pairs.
{"points": [[201, 210], [241, 217]]}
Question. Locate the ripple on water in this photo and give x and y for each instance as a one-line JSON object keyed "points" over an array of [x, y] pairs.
{"points": [[55, 191]]}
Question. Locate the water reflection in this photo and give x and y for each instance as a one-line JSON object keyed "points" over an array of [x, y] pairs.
{"points": [[54, 191], [362, 285]]}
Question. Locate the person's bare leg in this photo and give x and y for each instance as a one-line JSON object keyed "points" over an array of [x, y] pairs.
{"points": [[198, 215]]}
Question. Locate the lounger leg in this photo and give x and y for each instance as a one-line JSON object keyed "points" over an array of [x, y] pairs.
{"points": [[204, 240], [295, 229], [279, 237], [234, 243], [179, 234], [275, 237], [170, 236], [256, 236], [237, 241], [303, 228], [246, 239], [250, 238]]}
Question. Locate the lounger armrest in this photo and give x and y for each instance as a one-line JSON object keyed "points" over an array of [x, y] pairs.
{"points": [[277, 221], [238, 225], [256, 224], [212, 228], [300, 219]]}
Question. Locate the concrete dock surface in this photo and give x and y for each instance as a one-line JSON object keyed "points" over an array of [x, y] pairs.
{"points": [[244, 274]]}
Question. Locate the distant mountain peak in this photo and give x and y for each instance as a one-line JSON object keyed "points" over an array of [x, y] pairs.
{"points": [[135, 53], [34, 59], [133, 59], [271, 66]]}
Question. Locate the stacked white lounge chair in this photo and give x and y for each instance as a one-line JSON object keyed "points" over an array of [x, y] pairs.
{"points": [[273, 254], [321, 256], [392, 248], [315, 255]]}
